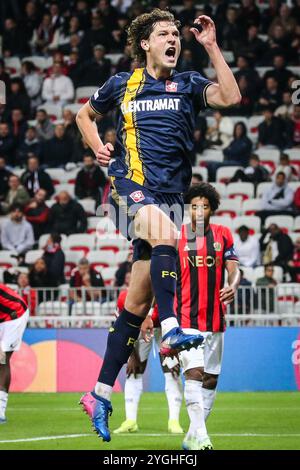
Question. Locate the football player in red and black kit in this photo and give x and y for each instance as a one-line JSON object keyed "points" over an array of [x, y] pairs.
{"points": [[14, 315], [205, 251]]}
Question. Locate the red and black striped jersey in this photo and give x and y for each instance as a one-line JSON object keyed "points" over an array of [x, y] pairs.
{"points": [[12, 306], [200, 271]]}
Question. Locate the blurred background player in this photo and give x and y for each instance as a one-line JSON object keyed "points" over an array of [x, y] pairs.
{"points": [[14, 315], [151, 169], [136, 366], [205, 250]]}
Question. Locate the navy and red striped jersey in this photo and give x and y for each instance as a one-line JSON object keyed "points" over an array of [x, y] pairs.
{"points": [[200, 271], [12, 306]]}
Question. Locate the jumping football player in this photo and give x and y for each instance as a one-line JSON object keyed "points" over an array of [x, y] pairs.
{"points": [[156, 109], [14, 315]]}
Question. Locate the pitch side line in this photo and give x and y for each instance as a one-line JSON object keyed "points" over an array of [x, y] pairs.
{"points": [[76, 436]]}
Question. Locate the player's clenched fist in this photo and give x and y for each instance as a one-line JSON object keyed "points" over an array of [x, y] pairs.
{"points": [[104, 154]]}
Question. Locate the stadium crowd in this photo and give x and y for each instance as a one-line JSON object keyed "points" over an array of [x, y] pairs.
{"points": [[56, 54]]}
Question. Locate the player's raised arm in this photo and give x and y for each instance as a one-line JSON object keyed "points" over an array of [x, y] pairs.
{"points": [[226, 91], [85, 120]]}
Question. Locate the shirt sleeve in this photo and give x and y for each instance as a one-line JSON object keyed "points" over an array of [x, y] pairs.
{"points": [[229, 250], [199, 87], [104, 99]]}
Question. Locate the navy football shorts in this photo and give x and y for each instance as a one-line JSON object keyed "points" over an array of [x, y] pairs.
{"points": [[127, 197]]}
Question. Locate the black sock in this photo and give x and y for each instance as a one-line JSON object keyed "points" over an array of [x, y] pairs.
{"points": [[120, 342], [163, 277]]}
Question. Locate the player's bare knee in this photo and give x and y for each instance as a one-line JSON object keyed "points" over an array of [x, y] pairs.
{"points": [[210, 381], [194, 374]]}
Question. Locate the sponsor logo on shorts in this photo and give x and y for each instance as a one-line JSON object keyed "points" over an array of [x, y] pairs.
{"points": [[137, 196]]}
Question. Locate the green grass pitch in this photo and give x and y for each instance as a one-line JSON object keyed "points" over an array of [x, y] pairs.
{"points": [[239, 421]]}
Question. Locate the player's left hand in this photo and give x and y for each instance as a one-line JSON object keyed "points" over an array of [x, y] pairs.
{"points": [[227, 295], [207, 37], [134, 365]]}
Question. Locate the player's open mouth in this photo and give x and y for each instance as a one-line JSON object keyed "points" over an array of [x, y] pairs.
{"points": [[170, 52]]}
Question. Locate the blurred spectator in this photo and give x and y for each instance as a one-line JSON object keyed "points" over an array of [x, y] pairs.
{"points": [[220, 134], [13, 43], [286, 168], [278, 198], [54, 258], [18, 97], [232, 32], [83, 12], [266, 292], [294, 263], [56, 152], [188, 14], [39, 278], [57, 89], [270, 95], [67, 216], [33, 83], [239, 150], [272, 130], [97, 70], [79, 150], [285, 110], [79, 279], [34, 178], [75, 67], [108, 13], [16, 194], [58, 58], [97, 34], [268, 15], [7, 143], [284, 19], [124, 62], [31, 20], [199, 58], [42, 35], [122, 5], [246, 105], [4, 177], [279, 72], [278, 43], [27, 293], [71, 129], [249, 13], [18, 125], [44, 126], [62, 36], [4, 113], [254, 173], [296, 201], [277, 247], [186, 61], [16, 232], [252, 47], [120, 34], [247, 247], [248, 72], [243, 296], [90, 181], [295, 127], [29, 146], [37, 213], [4, 76], [196, 179], [123, 269]]}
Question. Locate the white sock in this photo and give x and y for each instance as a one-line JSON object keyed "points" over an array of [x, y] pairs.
{"points": [[208, 400], [194, 404], [173, 389], [133, 391], [103, 390], [3, 403], [168, 324]]}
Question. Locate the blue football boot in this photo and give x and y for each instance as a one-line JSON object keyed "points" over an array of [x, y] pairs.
{"points": [[176, 340], [98, 409]]}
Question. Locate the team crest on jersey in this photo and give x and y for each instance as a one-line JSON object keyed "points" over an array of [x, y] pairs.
{"points": [[217, 246], [186, 248], [137, 196], [171, 86]]}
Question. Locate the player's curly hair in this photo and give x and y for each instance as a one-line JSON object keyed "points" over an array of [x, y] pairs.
{"points": [[204, 190], [141, 28]]}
